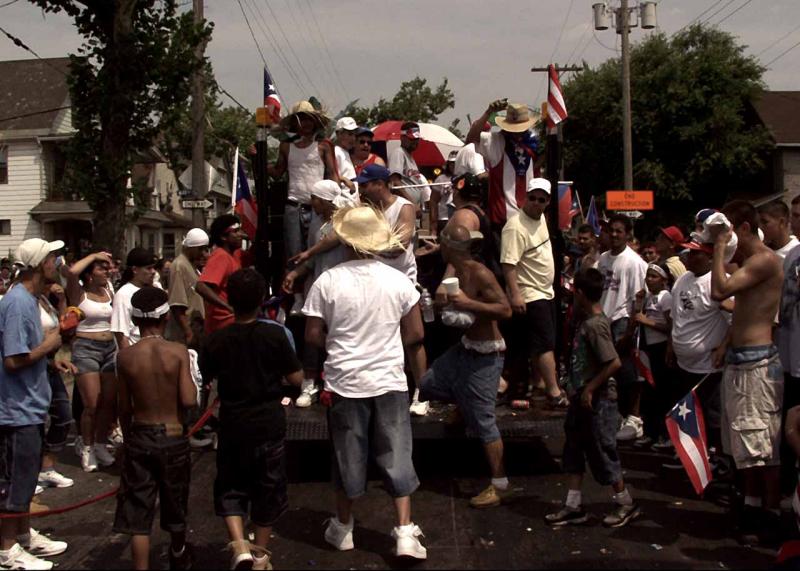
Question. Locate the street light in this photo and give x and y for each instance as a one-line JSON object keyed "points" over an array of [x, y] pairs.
{"points": [[625, 18]]}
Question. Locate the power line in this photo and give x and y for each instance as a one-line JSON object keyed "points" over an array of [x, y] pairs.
{"points": [[225, 91], [779, 40], [249, 27], [291, 48], [579, 42], [732, 13], [700, 15], [614, 49], [555, 49], [728, 3], [21, 44], [783, 53], [9, 3], [33, 113], [337, 74]]}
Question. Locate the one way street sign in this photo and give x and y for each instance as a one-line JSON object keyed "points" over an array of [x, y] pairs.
{"points": [[205, 203]]}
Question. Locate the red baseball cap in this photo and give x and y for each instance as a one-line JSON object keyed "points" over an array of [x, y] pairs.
{"points": [[692, 245], [674, 234]]}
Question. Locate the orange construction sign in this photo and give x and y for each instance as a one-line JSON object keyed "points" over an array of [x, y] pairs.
{"points": [[629, 200]]}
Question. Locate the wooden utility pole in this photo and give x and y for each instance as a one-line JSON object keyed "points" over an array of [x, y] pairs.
{"points": [[198, 110], [627, 145]]}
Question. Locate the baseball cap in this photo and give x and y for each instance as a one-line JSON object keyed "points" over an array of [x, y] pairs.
{"points": [[539, 184], [674, 234], [451, 158], [195, 237], [412, 133], [346, 124], [33, 252], [364, 131], [373, 172], [694, 245], [140, 258]]}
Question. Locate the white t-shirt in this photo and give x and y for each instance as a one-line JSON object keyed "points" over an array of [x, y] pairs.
{"points": [[446, 191], [401, 162], [788, 334], [121, 321], [469, 160], [790, 245], [405, 262], [624, 277], [699, 325], [655, 308], [362, 303], [344, 164]]}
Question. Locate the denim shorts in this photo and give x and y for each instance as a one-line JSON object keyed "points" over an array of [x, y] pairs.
{"points": [[591, 436], [379, 424], [93, 356], [60, 414], [20, 460], [156, 466], [251, 480], [470, 379]]}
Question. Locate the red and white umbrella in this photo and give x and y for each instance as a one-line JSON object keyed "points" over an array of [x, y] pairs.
{"points": [[435, 143]]}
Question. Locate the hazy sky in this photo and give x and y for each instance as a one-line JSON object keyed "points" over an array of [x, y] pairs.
{"points": [[485, 48]]}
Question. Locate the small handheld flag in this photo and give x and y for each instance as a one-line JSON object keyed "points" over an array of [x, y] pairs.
{"points": [[272, 100], [592, 218], [687, 430], [243, 203], [568, 206]]}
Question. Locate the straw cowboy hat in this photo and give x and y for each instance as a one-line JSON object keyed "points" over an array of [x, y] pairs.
{"points": [[366, 230], [518, 118], [305, 107]]}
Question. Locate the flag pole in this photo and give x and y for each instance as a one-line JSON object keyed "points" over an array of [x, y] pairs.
{"points": [[235, 178]]}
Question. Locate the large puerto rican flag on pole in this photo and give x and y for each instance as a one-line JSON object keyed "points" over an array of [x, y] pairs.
{"points": [[556, 108], [272, 100], [242, 200], [687, 430], [568, 204]]}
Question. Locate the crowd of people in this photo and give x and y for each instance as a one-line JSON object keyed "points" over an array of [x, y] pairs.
{"points": [[398, 292]]}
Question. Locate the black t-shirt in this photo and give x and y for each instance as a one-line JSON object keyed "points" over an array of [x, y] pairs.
{"points": [[248, 361]]}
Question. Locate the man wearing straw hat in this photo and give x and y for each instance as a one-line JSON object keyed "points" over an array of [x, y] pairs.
{"points": [[364, 314], [511, 155]]}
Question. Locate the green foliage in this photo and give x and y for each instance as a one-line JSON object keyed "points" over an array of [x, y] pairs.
{"points": [[414, 101], [690, 104], [132, 70]]}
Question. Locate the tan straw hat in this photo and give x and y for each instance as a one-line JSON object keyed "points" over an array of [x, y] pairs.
{"points": [[366, 230], [518, 118], [289, 123]]}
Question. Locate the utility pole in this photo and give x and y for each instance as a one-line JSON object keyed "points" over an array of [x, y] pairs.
{"points": [[627, 145], [198, 111]]}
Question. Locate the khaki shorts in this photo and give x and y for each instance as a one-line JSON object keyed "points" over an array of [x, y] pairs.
{"points": [[752, 400]]}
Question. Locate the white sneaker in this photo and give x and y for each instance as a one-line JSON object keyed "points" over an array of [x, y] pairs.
{"points": [[88, 459], [18, 558], [631, 429], [104, 457], [115, 438], [78, 446], [308, 394], [38, 490], [408, 544], [40, 545], [339, 535], [418, 408], [52, 479], [242, 558], [201, 441], [297, 306]]}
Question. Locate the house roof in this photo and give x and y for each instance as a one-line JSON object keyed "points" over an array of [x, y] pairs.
{"points": [[32, 93], [778, 110]]}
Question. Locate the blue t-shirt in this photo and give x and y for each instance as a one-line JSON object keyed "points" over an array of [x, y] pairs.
{"points": [[24, 395]]}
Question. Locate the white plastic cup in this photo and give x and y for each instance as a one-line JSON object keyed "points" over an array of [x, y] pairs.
{"points": [[450, 285]]}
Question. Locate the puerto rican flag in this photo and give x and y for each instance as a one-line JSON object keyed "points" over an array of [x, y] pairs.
{"points": [[556, 108], [568, 205], [242, 200], [687, 430], [272, 100], [642, 361]]}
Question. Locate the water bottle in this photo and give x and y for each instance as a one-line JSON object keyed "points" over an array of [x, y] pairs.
{"points": [[427, 306]]}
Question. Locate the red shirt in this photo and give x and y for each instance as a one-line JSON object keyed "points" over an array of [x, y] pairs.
{"points": [[218, 269]]}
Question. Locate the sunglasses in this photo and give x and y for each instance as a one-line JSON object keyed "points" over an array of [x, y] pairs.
{"points": [[365, 142]]}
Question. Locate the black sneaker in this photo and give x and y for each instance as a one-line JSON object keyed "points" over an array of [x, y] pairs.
{"points": [[567, 516], [622, 515], [183, 561], [749, 525]]}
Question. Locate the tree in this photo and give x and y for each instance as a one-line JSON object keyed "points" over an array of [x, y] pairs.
{"points": [[414, 101], [133, 69], [690, 102]]}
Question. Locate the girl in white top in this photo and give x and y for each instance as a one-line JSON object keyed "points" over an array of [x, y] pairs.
{"points": [[93, 352]]}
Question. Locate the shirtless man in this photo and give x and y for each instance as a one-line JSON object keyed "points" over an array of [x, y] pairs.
{"points": [[469, 372], [156, 386], [752, 384]]}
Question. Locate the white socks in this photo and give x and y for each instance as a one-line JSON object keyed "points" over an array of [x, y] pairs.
{"points": [[573, 499], [623, 498], [416, 395], [500, 483], [752, 501]]}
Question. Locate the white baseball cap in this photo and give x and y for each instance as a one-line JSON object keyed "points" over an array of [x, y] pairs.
{"points": [[346, 124], [33, 252], [539, 184], [195, 237]]}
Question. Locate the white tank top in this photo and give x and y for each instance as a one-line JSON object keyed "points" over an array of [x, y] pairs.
{"points": [[49, 315], [305, 167], [405, 262], [98, 315]]}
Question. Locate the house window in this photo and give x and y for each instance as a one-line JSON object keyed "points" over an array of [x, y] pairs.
{"points": [[5, 227], [3, 164]]}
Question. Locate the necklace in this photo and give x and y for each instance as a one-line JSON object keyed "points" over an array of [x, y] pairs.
{"points": [[151, 337]]}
